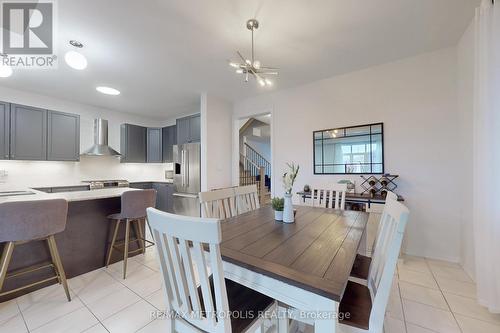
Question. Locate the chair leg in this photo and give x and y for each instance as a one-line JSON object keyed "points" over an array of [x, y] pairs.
{"points": [[283, 321], [56, 259], [113, 240], [52, 255], [4, 261], [149, 227], [125, 250], [141, 236]]}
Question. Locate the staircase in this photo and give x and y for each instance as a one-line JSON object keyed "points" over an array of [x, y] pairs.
{"points": [[255, 169]]}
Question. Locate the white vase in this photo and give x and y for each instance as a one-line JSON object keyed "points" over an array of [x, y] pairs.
{"points": [[288, 209], [278, 215]]}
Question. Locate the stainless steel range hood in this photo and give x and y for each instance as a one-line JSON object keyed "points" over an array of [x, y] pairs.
{"points": [[100, 147]]}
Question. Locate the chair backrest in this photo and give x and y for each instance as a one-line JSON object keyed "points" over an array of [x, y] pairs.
{"points": [[384, 260], [339, 198], [247, 198], [134, 203], [219, 204], [319, 197], [180, 264], [329, 198], [30, 220], [391, 196]]}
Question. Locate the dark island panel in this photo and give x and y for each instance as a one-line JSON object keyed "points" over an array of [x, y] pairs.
{"points": [[82, 246]]}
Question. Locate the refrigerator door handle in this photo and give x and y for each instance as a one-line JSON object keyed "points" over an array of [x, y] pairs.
{"points": [[183, 173], [187, 168], [185, 195]]}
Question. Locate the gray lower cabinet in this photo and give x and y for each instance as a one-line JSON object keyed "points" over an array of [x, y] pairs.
{"points": [[169, 138], [188, 129], [164, 193], [4, 131], [154, 145], [133, 143], [164, 196], [28, 133], [63, 138]]}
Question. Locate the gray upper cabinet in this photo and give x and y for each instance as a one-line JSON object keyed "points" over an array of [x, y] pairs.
{"points": [[195, 128], [169, 138], [4, 130], [63, 138], [133, 143], [182, 130], [188, 129], [28, 133], [154, 145]]}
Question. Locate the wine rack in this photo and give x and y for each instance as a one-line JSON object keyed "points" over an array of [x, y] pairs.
{"points": [[373, 185]]}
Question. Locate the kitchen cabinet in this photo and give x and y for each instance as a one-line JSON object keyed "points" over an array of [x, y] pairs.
{"points": [[133, 143], [28, 133], [164, 198], [4, 131], [169, 139], [154, 145], [188, 129], [195, 129], [63, 137], [164, 192]]}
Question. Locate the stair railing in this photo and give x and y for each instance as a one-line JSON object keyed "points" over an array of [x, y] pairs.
{"points": [[254, 156], [250, 172]]}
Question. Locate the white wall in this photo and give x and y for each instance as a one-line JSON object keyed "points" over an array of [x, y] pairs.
{"points": [[465, 52], [416, 99], [25, 174], [216, 129]]}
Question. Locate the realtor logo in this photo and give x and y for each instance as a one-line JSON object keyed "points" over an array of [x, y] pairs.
{"points": [[28, 34], [27, 27]]}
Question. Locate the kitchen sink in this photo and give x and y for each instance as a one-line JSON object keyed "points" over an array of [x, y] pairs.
{"points": [[13, 193]]}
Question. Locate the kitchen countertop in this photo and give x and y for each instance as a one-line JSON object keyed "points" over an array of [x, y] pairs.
{"points": [[69, 196]]}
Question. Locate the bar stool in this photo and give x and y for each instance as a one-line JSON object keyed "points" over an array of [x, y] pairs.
{"points": [[133, 211], [25, 221]]}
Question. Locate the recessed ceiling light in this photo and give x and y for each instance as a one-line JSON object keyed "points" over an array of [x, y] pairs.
{"points": [[108, 90], [76, 43], [76, 60]]}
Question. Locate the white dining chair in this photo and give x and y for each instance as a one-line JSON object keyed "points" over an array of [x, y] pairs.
{"points": [[206, 307], [247, 198], [362, 307], [362, 262], [219, 204], [367, 304], [334, 197]]}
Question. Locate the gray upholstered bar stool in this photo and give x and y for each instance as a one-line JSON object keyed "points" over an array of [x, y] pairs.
{"points": [[26, 221], [133, 211]]}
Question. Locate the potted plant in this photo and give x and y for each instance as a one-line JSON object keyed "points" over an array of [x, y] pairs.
{"points": [[278, 204], [288, 181]]}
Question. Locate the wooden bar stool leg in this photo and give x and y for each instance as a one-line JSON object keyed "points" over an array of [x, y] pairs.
{"points": [[52, 255], [141, 236], [113, 240], [125, 250], [56, 259], [4, 261]]}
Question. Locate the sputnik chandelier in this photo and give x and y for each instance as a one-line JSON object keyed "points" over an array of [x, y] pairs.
{"points": [[252, 67]]}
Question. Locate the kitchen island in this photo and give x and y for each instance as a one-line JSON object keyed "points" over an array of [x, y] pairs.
{"points": [[82, 245]]}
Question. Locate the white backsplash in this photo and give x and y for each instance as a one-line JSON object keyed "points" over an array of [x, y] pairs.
{"points": [[24, 174]]}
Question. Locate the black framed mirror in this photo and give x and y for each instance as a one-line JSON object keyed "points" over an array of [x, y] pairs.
{"points": [[349, 150]]}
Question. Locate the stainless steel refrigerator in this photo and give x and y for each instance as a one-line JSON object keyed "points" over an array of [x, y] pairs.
{"points": [[187, 183]]}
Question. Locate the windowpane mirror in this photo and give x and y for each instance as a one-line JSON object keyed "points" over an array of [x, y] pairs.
{"points": [[349, 150]]}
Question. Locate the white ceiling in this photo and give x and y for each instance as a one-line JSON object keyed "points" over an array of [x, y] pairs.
{"points": [[162, 54]]}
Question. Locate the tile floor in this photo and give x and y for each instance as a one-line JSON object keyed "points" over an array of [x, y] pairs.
{"points": [[428, 296]]}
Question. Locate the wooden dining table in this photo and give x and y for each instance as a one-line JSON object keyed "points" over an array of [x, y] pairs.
{"points": [[304, 265]]}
